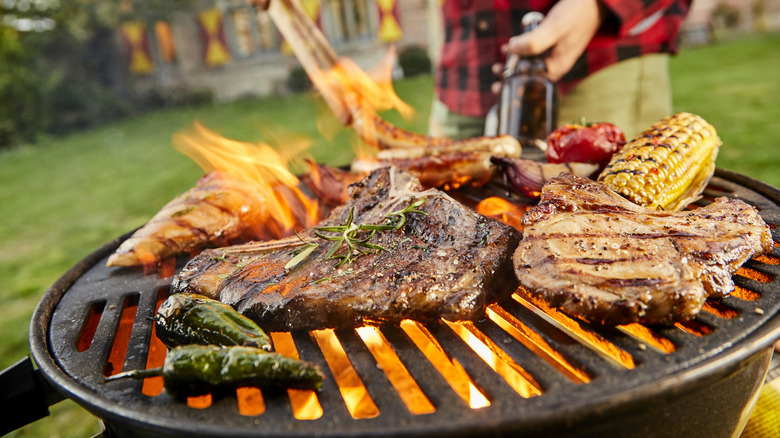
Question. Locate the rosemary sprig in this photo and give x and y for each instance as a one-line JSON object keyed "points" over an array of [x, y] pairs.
{"points": [[357, 237]]}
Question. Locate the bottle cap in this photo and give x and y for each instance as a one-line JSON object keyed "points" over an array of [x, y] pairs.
{"points": [[531, 20]]}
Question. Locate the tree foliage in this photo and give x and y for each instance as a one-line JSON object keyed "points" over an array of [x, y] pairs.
{"points": [[61, 67]]}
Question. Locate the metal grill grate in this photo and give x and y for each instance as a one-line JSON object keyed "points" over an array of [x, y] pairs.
{"points": [[524, 367]]}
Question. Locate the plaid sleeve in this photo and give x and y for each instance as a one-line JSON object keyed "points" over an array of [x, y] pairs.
{"points": [[635, 16]]}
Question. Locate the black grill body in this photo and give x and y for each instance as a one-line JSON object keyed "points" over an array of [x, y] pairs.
{"points": [[705, 388]]}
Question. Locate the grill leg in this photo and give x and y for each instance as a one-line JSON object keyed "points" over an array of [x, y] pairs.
{"points": [[24, 396]]}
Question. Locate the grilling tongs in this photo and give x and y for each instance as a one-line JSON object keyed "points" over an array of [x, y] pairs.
{"points": [[313, 51]]}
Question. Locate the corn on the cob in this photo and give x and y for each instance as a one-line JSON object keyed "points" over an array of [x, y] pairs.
{"points": [[668, 165]]}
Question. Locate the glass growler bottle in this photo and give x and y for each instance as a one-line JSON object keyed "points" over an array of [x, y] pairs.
{"points": [[529, 100]]}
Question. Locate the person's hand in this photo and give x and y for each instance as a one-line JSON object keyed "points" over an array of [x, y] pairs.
{"points": [[565, 31]]}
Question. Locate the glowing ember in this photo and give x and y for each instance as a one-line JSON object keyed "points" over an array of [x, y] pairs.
{"points": [[304, 402], [503, 211], [411, 394], [452, 371], [356, 397], [607, 350], [518, 378]]}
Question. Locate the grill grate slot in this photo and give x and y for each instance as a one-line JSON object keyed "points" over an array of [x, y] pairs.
{"points": [[102, 358], [648, 337], [377, 382], [157, 351], [354, 393], [768, 259], [744, 293], [695, 327], [200, 401], [250, 402], [387, 359], [720, 309], [500, 362], [124, 331], [613, 354], [88, 329], [761, 277], [304, 403], [448, 368], [534, 342]]}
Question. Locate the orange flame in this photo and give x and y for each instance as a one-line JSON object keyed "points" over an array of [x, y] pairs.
{"points": [[503, 211], [287, 208], [364, 94]]}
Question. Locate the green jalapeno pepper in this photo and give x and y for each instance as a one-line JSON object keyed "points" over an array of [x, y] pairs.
{"points": [[185, 319], [191, 370]]}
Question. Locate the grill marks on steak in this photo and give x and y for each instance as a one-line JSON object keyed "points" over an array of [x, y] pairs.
{"points": [[449, 263], [592, 253]]}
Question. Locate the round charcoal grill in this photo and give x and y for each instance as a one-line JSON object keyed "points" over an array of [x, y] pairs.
{"points": [[524, 370]]}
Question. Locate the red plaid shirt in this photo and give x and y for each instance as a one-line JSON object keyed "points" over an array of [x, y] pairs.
{"points": [[475, 30]]}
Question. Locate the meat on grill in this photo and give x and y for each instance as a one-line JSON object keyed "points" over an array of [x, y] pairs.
{"points": [[442, 162], [449, 262], [219, 208], [592, 253]]}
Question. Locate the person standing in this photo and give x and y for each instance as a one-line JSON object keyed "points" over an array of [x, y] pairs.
{"points": [[609, 59]]}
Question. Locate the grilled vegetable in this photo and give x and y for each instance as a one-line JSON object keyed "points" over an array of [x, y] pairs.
{"points": [[194, 319], [219, 209], [527, 176], [668, 165], [584, 143], [206, 369]]}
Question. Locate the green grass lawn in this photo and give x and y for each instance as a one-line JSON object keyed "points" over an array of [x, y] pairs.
{"points": [[735, 86], [66, 196]]}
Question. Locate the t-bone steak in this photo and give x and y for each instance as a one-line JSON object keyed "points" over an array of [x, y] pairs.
{"points": [[447, 262]]}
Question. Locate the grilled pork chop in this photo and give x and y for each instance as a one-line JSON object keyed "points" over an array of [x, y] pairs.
{"points": [[444, 261], [592, 253]]}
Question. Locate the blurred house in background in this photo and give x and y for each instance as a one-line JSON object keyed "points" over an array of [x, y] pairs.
{"points": [[707, 18], [68, 65], [232, 49]]}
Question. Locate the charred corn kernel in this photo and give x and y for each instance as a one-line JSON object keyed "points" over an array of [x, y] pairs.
{"points": [[668, 165]]}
